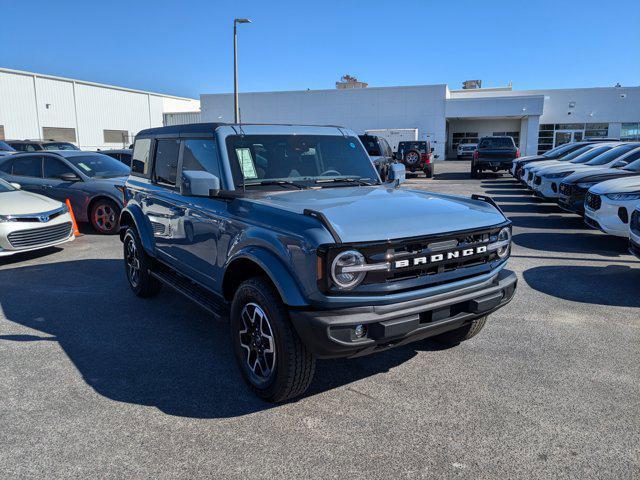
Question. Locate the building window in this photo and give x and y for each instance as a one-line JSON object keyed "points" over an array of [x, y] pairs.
{"points": [[630, 131], [59, 134], [463, 137], [596, 130], [1, 132], [116, 136]]}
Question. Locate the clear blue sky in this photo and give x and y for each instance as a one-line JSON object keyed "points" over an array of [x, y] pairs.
{"points": [[184, 48]]}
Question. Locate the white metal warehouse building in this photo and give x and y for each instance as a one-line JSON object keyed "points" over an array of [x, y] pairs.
{"points": [[91, 115], [537, 119]]}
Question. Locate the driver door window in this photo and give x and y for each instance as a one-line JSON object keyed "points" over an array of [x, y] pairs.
{"points": [[54, 168]]}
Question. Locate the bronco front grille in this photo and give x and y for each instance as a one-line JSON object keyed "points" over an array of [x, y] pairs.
{"points": [[593, 201], [34, 237], [441, 272]]}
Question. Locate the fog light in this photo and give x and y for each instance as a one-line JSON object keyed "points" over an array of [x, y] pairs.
{"points": [[360, 331]]}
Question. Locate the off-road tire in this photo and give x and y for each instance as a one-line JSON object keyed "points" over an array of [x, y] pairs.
{"points": [[294, 364], [474, 171], [428, 171], [454, 337], [414, 154], [146, 285]]}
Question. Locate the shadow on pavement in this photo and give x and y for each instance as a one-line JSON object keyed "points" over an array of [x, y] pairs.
{"points": [[614, 285], [25, 256], [586, 243], [164, 352], [553, 222]]}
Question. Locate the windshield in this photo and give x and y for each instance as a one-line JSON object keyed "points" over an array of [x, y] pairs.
{"points": [[97, 165], [5, 147], [588, 155], [497, 143], [5, 186], [60, 146], [611, 155], [554, 152], [304, 159]]}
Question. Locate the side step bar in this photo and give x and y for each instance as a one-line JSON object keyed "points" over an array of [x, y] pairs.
{"points": [[194, 292]]}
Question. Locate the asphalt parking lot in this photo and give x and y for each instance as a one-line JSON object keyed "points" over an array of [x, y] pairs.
{"points": [[98, 383]]}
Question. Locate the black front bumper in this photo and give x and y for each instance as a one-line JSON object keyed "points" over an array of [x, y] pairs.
{"points": [[331, 333], [573, 204]]}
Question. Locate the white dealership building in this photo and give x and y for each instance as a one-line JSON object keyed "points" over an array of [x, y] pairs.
{"points": [[537, 119], [91, 115]]}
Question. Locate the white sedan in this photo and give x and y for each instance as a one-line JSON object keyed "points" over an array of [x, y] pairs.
{"points": [[29, 221], [608, 205]]}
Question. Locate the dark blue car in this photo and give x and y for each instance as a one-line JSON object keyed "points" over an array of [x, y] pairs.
{"points": [[92, 182]]}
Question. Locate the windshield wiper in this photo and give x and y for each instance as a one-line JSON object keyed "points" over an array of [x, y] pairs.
{"points": [[280, 183], [358, 181]]}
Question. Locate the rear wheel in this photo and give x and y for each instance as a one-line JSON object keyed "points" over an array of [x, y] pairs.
{"points": [[273, 360], [105, 216], [428, 171], [475, 173], [454, 337]]}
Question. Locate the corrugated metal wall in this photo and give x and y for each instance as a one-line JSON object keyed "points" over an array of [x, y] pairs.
{"points": [[29, 102]]}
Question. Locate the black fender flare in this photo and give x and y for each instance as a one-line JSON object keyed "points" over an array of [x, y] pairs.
{"points": [[278, 273], [131, 215]]}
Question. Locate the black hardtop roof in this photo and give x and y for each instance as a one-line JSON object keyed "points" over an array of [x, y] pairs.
{"points": [[187, 128]]}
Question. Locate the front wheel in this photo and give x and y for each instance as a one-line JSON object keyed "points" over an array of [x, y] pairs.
{"points": [[136, 264], [272, 359], [454, 337], [474, 171], [428, 171]]}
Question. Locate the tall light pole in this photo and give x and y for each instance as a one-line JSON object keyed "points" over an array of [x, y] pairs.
{"points": [[236, 107]]}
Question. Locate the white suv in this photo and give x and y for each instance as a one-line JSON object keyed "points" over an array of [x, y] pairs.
{"points": [[608, 205], [634, 233]]}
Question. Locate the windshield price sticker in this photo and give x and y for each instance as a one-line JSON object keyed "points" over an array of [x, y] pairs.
{"points": [[246, 163], [84, 167]]}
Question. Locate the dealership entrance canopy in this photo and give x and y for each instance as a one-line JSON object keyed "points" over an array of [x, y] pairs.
{"points": [[537, 119]]}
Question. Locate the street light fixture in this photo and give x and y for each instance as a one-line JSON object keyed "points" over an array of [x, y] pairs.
{"points": [[236, 108]]}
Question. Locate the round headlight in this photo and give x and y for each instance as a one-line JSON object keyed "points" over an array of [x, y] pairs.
{"points": [[345, 279], [504, 237]]}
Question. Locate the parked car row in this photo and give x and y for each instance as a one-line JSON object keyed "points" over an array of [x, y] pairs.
{"points": [[599, 180]]}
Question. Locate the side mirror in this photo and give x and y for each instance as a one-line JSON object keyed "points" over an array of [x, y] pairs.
{"points": [[198, 184], [137, 166], [69, 177], [397, 173], [15, 185]]}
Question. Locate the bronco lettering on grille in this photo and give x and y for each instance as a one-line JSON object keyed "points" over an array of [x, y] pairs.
{"points": [[440, 257]]}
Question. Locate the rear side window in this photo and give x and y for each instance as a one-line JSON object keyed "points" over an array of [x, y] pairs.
{"points": [[140, 160], [166, 161], [6, 167], [497, 142], [201, 155], [28, 166]]}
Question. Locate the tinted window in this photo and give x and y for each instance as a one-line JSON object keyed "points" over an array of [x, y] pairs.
{"points": [[420, 146], [201, 155], [6, 166], [140, 160], [28, 166], [370, 145], [590, 154], [577, 153], [98, 165], [166, 161], [634, 162], [497, 142], [60, 146], [53, 168]]}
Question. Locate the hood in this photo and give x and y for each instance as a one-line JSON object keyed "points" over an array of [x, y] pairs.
{"points": [[618, 185], [599, 175], [543, 164], [529, 158], [20, 202], [361, 214], [564, 167]]}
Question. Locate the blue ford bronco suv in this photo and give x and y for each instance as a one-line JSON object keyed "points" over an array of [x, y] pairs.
{"points": [[288, 232]]}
